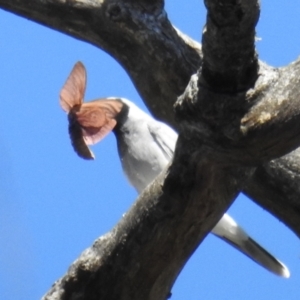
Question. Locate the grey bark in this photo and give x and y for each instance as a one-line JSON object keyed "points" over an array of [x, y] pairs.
{"points": [[236, 118], [275, 187]]}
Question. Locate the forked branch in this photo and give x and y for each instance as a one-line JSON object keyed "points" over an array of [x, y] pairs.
{"points": [[236, 114]]}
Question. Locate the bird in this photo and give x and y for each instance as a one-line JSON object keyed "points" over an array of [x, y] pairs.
{"points": [[145, 148]]}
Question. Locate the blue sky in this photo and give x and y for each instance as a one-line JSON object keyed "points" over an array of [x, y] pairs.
{"points": [[54, 205]]}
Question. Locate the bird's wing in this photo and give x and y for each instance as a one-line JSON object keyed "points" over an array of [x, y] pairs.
{"points": [[164, 136]]}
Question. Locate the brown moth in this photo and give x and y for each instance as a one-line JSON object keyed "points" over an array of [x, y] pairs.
{"points": [[88, 122]]}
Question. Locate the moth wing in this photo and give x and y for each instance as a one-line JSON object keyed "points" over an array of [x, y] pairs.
{"points": [[96, 122], [78, 142], [72, 93]]}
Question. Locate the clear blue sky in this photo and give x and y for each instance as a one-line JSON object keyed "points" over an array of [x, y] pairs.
{"points": [[54, 205]]}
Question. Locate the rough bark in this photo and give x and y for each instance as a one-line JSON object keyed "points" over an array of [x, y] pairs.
{"points": [[143, 255], [235, 115], [230, 27], [275, 187]]}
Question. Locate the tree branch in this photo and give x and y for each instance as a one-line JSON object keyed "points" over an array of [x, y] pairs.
{"points": [[255, 122], [143, 255], [243, 128], [230, 62], [158, 58], [275, 187]]}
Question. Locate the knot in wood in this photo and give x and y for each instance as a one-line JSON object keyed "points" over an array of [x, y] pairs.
{"points": [[114, 12]]}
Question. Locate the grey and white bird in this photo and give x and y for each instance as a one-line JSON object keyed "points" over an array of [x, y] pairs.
{"points": [[145, 147]]}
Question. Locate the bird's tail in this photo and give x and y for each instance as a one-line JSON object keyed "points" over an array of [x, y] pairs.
{"points": [[228, 230]]}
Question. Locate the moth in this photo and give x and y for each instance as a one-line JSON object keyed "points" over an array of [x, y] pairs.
{"points": [[89, 122]]}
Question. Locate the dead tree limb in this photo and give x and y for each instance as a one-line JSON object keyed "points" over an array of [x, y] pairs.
{"points": [[235, 116], [143, 255]]}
